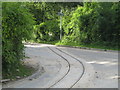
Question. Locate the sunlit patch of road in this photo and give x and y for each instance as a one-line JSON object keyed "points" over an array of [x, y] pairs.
{"points": [[104, 63]]}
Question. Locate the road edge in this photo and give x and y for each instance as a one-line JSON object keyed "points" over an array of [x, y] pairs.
{"points": [[87, 48], [39, 69]]}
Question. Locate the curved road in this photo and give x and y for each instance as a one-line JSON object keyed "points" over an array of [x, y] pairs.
{"points": [[70, 68], [104, 63]]}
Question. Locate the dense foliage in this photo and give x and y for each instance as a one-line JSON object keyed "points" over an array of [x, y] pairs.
{"points": [[82, 23], [47, 19], [93, 22], [17, 25]]}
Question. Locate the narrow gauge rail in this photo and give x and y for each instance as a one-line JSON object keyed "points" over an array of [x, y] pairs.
{"points": [[79, 62], [68, 68]]}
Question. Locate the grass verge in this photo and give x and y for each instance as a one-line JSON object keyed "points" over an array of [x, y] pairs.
{"points": [[92, 45], [97, 45], [22, 72]]}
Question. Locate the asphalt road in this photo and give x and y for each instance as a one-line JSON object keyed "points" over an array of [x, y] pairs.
{"points": [[104, 63], [69, 68]]}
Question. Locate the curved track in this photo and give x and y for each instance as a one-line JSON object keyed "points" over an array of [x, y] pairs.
{"points": [[68, 68]]}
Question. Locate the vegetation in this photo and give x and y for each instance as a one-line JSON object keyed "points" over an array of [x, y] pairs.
{"points": [[21, 72], [83, 24], [93, 25], [17, 25]]}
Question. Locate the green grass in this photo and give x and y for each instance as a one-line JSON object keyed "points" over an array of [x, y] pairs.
{"points": [[24, 71], [98, 45], [92, 45]]}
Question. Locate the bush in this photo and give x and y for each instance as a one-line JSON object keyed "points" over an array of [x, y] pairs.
{"points": [[17, 25]]}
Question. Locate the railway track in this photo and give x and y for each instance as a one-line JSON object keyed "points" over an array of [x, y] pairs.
{"points": [[67, 77], [69, 69], [64, 70]]}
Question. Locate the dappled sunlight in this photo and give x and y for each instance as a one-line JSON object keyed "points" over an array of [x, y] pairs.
{"points": [[39, 45], [113, 63], [114, 77], [103, 62], [91, 62]]}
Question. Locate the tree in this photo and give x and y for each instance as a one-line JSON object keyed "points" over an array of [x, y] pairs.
{"points": [[17, 25]]}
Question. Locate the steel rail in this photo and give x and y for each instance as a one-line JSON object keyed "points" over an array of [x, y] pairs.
{"points": [[68, 68], [79, 62]]}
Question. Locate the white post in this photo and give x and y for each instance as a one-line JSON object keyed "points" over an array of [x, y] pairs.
{"points": [[61, 25]]}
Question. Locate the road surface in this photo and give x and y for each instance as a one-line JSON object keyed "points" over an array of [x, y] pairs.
{"points": [[70, 68], [104, 63]]}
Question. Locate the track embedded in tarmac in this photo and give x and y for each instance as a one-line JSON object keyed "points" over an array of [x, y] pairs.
{"points": [[68, 68]]}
